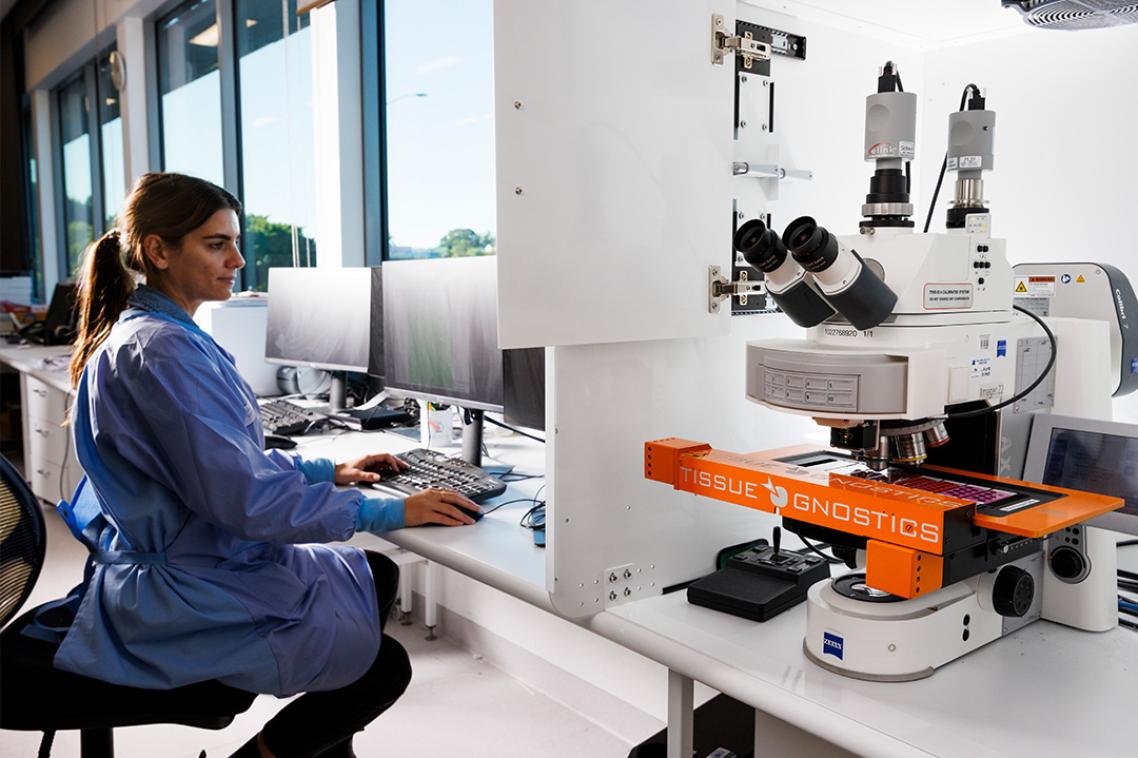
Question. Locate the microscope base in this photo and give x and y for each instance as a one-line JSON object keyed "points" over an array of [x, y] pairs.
{"points": [[902, 640]]}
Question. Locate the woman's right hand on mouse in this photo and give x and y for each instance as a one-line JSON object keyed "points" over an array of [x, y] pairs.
{"points": [[437, 506]]}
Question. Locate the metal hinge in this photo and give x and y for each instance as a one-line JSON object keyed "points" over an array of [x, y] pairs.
{"points": [[723, 43], [719, 288]]}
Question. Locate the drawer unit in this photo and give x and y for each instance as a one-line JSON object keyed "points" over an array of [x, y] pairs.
{"points": [[42, 401], [48, 441]]}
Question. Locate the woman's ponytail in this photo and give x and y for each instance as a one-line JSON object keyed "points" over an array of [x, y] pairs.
{"points": [[105, 283]]}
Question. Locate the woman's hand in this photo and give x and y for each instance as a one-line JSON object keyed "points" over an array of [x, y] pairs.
{"points": [[438, 506], [368, 468]]}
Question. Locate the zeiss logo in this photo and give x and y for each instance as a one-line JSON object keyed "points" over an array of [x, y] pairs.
{"points": [[832, 644]]}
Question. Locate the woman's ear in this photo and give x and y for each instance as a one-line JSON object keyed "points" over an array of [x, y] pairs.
{"points": [[156, 252]]}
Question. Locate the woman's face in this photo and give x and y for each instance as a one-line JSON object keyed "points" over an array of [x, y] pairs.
{"points": [[205, 267]]}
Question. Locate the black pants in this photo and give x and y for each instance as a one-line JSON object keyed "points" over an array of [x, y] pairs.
{"points": [[322, 723]]}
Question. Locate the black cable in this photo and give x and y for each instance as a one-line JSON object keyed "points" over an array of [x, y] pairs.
{"points": [[1128, 575], [512, 477], [508, 502], [1128, 612], [944, 163], [812, 548], [1126, 543], [1127, 585], [513, 429], [1128, 624], [528, 518], [1031, 387]]}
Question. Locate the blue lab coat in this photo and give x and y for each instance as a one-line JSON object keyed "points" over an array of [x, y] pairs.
{"points": [[201, 573]]}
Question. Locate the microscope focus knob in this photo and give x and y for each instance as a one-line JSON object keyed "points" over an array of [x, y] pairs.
{"points": [[1013, 592]]}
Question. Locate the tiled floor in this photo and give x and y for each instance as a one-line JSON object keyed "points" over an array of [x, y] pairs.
{"points": [[457, 705]]}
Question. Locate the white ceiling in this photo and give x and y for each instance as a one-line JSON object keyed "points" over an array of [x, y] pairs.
{"points": [[924, 23]]}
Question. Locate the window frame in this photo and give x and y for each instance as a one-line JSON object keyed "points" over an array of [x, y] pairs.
{"points": [[374, 114], [89, 74]]}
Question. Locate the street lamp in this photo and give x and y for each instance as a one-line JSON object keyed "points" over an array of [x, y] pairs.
{"points": [[406, 95]]}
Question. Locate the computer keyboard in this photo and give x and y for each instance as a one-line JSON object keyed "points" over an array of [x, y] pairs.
{"points": [[283, 417], [429, 468]]}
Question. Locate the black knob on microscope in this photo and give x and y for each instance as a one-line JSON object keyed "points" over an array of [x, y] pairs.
{"points": [[1013, 592]]}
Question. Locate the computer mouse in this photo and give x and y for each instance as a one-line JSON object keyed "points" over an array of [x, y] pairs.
{"points": [[279, 441], [476, 515]]}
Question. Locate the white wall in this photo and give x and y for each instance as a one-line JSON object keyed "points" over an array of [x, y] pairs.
{"points": [[1065, 182]]}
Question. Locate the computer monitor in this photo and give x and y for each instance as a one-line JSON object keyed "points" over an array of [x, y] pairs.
{"points": [[440, 337], [440, 331], [1093, 456], [523, 393], [320, 317]]}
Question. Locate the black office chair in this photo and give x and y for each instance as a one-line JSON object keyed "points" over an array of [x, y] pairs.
{"points": [[34, 696]]}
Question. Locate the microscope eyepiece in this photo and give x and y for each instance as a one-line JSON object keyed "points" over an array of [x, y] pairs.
{"points": [[848, 285], [787, 283], [812, 246], [760, 246]]}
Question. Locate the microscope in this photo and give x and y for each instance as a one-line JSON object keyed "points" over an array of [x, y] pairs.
{"points": [[926, 368]]}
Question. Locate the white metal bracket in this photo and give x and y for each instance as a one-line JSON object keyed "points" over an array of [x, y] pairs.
{"points": [[723, 43], [769, 171]]}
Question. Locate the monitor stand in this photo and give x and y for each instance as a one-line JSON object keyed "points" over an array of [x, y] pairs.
{"points": [[472, 437], [338, 394]]}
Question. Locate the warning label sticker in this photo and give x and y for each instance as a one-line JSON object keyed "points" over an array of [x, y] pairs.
{"points": [[1034, 286], [948, 296]]}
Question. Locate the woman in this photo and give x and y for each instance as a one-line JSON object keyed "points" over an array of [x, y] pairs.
{"points": [[204, 570]]}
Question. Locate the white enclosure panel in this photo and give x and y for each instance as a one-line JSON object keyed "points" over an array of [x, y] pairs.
{"points": [[608, 400], [614, 150], [1065, 180]]}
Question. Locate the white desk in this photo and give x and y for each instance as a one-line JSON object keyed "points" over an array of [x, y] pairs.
{"points": [[1045, 690], [496, 551]]}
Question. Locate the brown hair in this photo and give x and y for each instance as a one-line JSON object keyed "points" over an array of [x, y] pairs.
{"points": [[168, 205]]}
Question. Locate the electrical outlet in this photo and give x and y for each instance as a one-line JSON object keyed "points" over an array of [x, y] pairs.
{"points": [[623, 583]]}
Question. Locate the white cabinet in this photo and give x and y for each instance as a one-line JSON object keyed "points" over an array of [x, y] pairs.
{"points": [[50, 464], [614, 147]]}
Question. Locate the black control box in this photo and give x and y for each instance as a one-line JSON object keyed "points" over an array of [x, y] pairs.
{"points": [[760, 583]]}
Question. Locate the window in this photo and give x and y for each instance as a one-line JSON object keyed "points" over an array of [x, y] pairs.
{"points": [[91, 171], [277, 150], [438, 113], [76, 167], [111, 141], [189, 88]]}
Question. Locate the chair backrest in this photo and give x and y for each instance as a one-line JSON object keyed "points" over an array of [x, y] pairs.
{"points": [[22, 541]]}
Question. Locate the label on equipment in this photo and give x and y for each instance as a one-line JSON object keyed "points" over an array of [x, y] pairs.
{"points": [[1034, 286], [977, 223], [981, 368], [951, 164], [907, 149], [1018, 506], [947, 296], [971, 161], [992, 391]]}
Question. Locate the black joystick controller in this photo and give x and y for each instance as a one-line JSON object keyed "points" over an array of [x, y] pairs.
{"points": [[761, 582]]}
